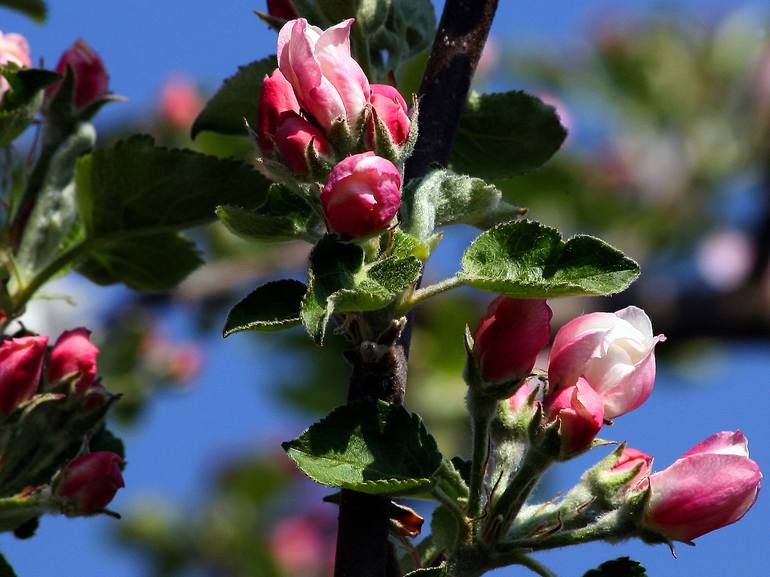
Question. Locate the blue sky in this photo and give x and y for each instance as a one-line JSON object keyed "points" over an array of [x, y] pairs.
{"points": [[145, 41]]}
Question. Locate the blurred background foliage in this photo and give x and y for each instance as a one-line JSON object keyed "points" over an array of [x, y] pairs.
{"points": [[667, 159]]}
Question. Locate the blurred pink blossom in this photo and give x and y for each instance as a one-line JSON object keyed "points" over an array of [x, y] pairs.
{"points": [[724, 258], [179, 102]]}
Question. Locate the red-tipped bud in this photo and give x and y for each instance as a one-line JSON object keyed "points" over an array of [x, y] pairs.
{"points": [[74, 356], [362, 195], [390, 107], [629, 460], [179, 103], [710, 486], [580, 412], [281, 9], [90, 76], [293, 137], [90, 482], [21, 362], [276, 101], [510, 336]]}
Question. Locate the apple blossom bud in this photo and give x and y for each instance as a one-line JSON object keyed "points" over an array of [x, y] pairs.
{"points": [[327, 81], [293, 137], [362, 195], [73, 356], [276, 101], [179, 103], [389, 107], [90, 76], [297, 545], [710, 486], [281, 9], [90, 482], [21, 362], [580, 412], [613, 352], [14, 49], [510, 336]]}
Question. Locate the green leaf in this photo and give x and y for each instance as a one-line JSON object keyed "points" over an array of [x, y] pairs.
{"points": [[374, 448], [271, 307], [284, 216], [35, 9], [19, 106], [505, 134], [54, 215], [442, 198], [135, 187], [444, 528], [428, 572], [154, 262], [526, 259], [5, 568], [339, 281], [621, 567], [235, 100]]}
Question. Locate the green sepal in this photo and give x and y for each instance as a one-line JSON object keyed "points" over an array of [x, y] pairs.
{"points": [[20, 104], [272, 307], [526, 259], [35, 9], [375, 448]]}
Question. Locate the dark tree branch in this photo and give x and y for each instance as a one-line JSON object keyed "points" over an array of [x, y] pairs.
{"points": [[362, 540]]}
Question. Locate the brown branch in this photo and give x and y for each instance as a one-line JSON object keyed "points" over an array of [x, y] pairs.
{"points": [[362, 540]]}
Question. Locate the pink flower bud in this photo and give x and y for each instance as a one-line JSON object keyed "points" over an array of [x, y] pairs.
{"points": [[710, 486], [73, 355], [281, 9], [14, 49], [91, 78], [580, 411], [520, 399], [90, 482], [276, 101], [293, 136], [510, 336], [390, 107], [21, 362], [362, 195], [614, 352], [298, 546], [629, 459], [179, 103], [328, 83]]}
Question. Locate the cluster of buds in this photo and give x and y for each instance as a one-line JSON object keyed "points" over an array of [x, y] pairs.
{"points": [[50, 400], [320, 120], [602, 366]]}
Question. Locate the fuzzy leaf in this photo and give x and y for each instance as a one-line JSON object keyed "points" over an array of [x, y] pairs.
{"points": [[621, 567], [35, 9], [284, 216], [505, 134], [271, 307], [374, 448], [443, 198], [529, 260], [154, 262], [339, 281], [135, 187], [235, 100], [55, 212]]}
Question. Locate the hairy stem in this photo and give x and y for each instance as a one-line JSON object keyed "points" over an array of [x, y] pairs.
{"points": [[362, 542]]}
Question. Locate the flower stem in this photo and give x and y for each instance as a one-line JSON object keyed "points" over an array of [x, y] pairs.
{"points": [[429, 291]]}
